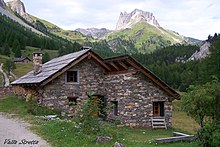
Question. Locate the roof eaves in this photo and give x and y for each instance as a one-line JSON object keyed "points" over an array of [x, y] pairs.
{"points": [[60, 70], [174, 93]]}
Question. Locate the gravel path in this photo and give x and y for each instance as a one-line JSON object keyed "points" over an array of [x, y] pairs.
{"points": [[6, 79], [15, 133]]}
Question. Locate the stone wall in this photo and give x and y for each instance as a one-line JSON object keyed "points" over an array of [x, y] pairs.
{"points": [[5, 91], [91, 78], [135, 94]]}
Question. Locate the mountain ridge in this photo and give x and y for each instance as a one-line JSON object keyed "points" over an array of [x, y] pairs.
{"points": [[127, 20], [139, 32], [2, 4], [20, 21], [16, 11], [94, 32], [17, 6]]}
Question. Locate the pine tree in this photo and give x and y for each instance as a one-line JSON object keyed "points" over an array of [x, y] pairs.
{"points": [[9, 66], [17, 52], [46, 57], [16, 46], [6, 50]]}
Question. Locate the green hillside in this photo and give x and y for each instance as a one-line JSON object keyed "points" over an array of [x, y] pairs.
{"points": [[66, 34], [144, 37], [29, 50]]}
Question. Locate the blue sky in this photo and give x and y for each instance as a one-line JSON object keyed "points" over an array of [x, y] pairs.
{"points": [[192, 18]]}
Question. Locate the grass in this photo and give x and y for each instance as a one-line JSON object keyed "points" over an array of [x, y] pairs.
{"points": [[66, 34], [3, 58], [68, 133], [17, 105], [181, 120], [22, 69], [29, 50], [1, 79], [61, 133], [13, 105], [142, 32]]}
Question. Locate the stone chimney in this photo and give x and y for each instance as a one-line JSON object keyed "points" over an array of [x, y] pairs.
{"points": [[37, 62]]}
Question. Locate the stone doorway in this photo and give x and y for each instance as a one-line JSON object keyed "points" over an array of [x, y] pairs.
{"points": [[158, 109]]}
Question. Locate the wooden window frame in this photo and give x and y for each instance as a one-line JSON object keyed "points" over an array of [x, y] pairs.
{"points": [[72, 82]]}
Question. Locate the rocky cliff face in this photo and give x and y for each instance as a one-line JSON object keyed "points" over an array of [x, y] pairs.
{"points": [[17, 6], [94, 32], [202, 52], [2, 4], [127, 20]]}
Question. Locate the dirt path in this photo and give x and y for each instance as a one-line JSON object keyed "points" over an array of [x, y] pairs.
{"points": [[6, 79], [15, 133]]}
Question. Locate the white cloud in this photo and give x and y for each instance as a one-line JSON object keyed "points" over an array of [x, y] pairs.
{"points": [[194, 18]]}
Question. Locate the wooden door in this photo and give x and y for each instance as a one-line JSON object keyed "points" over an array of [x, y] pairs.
{"points": [[95, 106], [99, 106], [156, 109]]}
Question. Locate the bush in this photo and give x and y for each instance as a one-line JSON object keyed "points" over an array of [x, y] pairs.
{"points": [[209, 135], [35, 109], [87, 116]]}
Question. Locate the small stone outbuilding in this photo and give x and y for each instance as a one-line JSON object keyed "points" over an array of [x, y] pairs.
{"points": [[23, 60], [134, 94]]}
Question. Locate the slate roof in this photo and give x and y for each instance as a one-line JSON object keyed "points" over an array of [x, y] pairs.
{"points": [[49, 68]]}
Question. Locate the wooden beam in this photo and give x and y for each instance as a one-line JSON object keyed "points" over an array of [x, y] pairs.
{"points": [[100, 62], [115, 66], [64, 69], [89, 57], [122, 72], [117, 58], [123, 65], [150, 76]]}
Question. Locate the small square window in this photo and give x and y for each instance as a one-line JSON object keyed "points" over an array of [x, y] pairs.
{"points": [[114, 107], [72, 101], [72, 77]]}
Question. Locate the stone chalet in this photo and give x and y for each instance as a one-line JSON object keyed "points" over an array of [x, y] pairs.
{"points": [[134, 94], [23, 60]]}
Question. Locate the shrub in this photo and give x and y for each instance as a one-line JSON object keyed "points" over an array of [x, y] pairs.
{"points": [[87, 116], [209, 135], [35, 109]]}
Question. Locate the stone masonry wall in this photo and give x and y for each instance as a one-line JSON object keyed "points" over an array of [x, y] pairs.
{"points": [[91, 78], [5, 91], [135, 94]]}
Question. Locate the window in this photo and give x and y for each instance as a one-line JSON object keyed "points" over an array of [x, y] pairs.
{"points": [[158, 108], [115, 107], [72, 101], [72, 77]]}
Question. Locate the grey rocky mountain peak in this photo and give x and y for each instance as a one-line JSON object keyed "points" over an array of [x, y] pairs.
{"points": [[203, 52], [94, 32], [2, 4], [127, 20], [17, 6]]}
